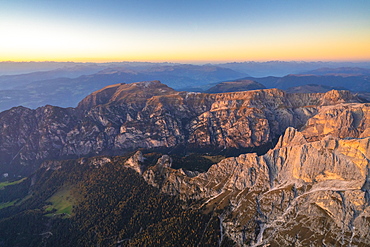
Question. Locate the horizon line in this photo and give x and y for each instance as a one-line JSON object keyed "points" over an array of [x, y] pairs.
{"points": [[186, 62]]}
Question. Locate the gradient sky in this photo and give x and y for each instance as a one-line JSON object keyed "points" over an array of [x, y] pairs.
{"points": [[184, 30]]}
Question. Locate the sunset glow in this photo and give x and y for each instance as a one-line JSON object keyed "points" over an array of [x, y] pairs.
{"points": [[189, 31]]}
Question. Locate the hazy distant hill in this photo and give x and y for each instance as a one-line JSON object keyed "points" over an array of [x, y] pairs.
{"points": [[66, 86], [268, 81], [355, 83], [16, 68], [235, 86], [343, 71], [13, 68], [282, 68], [21, 80], [41, 88], [312, 88]]}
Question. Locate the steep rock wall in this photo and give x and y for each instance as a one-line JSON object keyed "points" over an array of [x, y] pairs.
{"points": [[124, 117], [300, 193]]}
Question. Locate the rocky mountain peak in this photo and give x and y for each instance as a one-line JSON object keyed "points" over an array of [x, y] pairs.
{"points": [[338, 96], [268, 199], [291, 137], [165, 161], [135, 162], [347, 120], [122, 93]]}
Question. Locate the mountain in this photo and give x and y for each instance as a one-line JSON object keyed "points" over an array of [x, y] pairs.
{"points": [[140, 164], [68, 83], [41, 88], [312, 88], [19, 81], [352, 82], [349, 71], [14, 68], [235, 86], [124, 117], [299, 193], [282, 68]]}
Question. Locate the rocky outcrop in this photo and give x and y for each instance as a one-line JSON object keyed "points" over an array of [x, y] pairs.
{"points": [[135, 162], [299, 194], [124, 117], [342, 120]]}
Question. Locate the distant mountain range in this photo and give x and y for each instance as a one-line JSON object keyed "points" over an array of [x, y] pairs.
{"points": [[282, 68], [15, 68], [354, 79], [257, 69], [312, 88], [343, 71], [66, 87], [67, 83]]}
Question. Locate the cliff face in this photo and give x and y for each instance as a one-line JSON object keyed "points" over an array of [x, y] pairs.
{"points": [[300, 193], [342, 120], [125, 117]]}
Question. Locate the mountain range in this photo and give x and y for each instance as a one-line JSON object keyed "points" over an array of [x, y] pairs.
{"points": [[66, 87], [124, 117], [142, 164], [308, 187], [41, 88], [68, 83], [282, 68]]}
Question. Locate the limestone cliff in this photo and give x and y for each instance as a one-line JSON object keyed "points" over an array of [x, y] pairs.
{"points": [[302, 193], [124, 117], [342, 120]]}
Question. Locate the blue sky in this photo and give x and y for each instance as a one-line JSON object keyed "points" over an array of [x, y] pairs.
{"points": [[185, 30]]}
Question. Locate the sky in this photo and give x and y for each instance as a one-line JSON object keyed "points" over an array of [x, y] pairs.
{"points": [[184, 30]]}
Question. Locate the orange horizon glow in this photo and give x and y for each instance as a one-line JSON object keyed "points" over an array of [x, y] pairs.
{"points": [[191, 32], [334, 58], [259, 52], [347, 51]]}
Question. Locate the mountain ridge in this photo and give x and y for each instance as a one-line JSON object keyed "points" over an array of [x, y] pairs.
{"points": [[235, 86], [152, 115], [292, 176]]}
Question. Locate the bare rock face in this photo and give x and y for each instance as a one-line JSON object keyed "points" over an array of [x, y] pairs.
{"points": [[135, 162], [303, 193], [341, 120], [291, 137], [125, 117]]}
